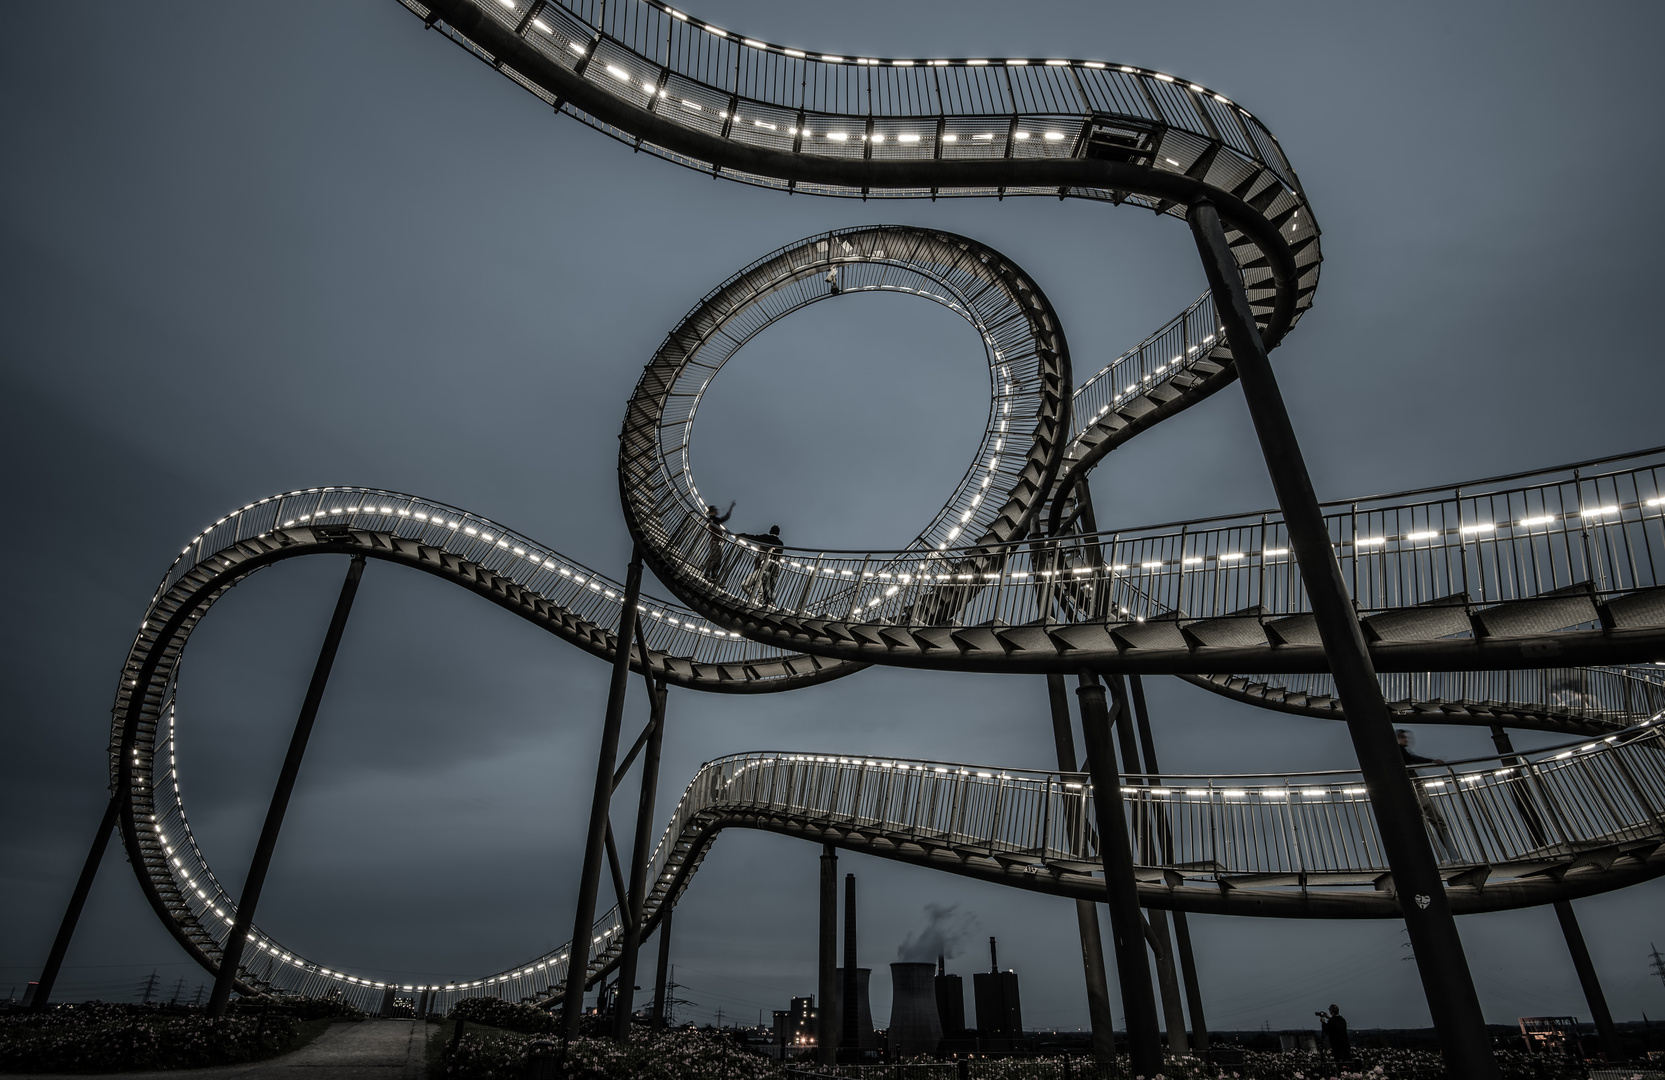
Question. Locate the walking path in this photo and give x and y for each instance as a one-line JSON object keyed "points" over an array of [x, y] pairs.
{"points": [[369, 1050]]}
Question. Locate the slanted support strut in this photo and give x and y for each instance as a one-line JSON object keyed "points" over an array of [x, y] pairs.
{"points": [[661, 981], [231, 954], [1446, 981], [77, 900], [640, 855], [1086, 912], [589, 882], [1121, 891]]}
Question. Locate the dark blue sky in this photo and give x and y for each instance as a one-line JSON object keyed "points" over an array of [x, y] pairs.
{"points": [[247, 249]]}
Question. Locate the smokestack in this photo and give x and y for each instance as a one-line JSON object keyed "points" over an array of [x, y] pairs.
{"points": [[942, 966], [994, 958], [850, 1038], [915, 1027]]}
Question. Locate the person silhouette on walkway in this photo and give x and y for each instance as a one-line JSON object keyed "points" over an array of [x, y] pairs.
{"points": [[760, 583], [1430, 813], [1335, 1033], [714, 541]]}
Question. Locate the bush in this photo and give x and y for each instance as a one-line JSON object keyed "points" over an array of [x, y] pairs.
{"points": [[679, 1055], [497, 1013], [304, 1008], [101, 1037]]}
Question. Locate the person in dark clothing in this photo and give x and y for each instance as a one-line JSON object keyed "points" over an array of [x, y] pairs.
{"points": [[1335, 1033], [714, 541], [759, 587], [1430, 813]]}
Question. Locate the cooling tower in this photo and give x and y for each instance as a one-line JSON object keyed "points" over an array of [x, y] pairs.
{"points": [[865, 1039], [914, 1025]]}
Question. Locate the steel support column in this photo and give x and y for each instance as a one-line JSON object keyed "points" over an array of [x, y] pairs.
{"points": [[661, 980], [1182, 929], [641, 854], [589, 882], [1587, 979], [231, 953], [77, 900], [1446, 980], [1156, 920], [1086, 912], [1121, 891], [826, 1031]]}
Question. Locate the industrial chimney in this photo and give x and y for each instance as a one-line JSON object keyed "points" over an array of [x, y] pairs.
{"points": [[999, 1012], [914, 1025]]}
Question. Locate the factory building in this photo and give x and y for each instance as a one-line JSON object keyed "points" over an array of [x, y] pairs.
{"points": [[999, 1010]]}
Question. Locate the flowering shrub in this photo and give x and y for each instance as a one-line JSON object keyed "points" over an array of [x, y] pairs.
{"points": [[305, 1008], [497, 1013], [101, 1037], [682, 1055]]}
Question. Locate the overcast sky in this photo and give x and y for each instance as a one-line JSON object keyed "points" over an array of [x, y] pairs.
{"points": [[252, 248]]}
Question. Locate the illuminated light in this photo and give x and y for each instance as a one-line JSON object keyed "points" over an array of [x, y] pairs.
{"points": [[714, 30], [793, 52], [1421, 535], [1128, 69], [1352, 791], [939, 63], [575, 47], [618, 73], [648, 87], [1023, 134], [1171, 161], [1164, 78], [754, 44], [901, 63], [1598, 511], [877, 138], [1235, 794], [1017, 63], [510, 4], [974, 137], [675, 14], [1222, 100], [833, 59], [976, 63], [1150, 565], [1483, 527], [686, 104], [762, 124], [1192, 560], [1274, 794], [908, 137], [1369, 541], [838, 136], [1276, 551], [1656, 502], [541, 25], [1542, 519], [1229, 556], [1057, 63], [1195, 87], [1054, 136]]}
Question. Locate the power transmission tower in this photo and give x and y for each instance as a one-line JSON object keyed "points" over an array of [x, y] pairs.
{"points": [[1658, 963], [150, 987], [178, 988], [196, 1001]]}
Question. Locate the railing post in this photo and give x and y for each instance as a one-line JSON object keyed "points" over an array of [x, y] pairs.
{"points": [[589, 882], [231, 953], [1446, 980]]}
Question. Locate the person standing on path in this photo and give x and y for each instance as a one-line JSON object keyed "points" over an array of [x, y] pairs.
{"points": [[1335, 1033]]}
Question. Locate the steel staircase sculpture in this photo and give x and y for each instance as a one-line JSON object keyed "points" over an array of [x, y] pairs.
{"points": [[1535, 601]]}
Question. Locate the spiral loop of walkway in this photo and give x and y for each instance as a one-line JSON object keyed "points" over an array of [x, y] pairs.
{"points": [[1521, 604]]}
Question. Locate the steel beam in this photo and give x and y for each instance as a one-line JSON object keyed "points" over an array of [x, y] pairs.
{"points": [[1182, 929], [1446, 980], [661, 980], [641, 854], [826, 1032], [1086, 912], [589, 882], [1121, 891], [77, 900], [1597, 1000], [850, 1009], [231, 953]]}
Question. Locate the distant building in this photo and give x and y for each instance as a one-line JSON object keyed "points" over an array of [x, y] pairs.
{"points": [[950, 1002], [795, 1027], [999, 1012]]}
